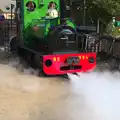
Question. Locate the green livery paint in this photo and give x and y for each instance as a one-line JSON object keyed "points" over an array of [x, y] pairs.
{"points": [[34, 22]]}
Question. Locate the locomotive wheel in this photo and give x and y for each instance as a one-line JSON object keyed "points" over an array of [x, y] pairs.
{"points": [[33, 61], [37, 64], [42, 74], [36, 60]]}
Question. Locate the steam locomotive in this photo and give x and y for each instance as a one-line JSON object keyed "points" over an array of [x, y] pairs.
{"points": [[49, 40]]}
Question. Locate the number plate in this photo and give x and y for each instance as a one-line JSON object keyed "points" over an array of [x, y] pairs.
{"points": [[73, 60]]}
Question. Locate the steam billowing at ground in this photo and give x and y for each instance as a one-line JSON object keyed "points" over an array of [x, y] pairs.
{"points": [[101, 91], [15, 75], [88, 96]]}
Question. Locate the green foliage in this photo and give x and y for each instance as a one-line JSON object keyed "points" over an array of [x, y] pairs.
{"points": [[112, 30], [115, 32], [111, 6], [103, 9]]}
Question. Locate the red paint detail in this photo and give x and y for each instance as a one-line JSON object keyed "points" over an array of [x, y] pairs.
{"points": [[54, 69]]}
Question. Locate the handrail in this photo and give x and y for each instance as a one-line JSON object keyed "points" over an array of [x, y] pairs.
{"points": [[44, 18]]}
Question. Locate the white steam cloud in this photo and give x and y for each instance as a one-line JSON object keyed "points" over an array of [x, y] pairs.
{"points": [[16, 75], [101, 91]]}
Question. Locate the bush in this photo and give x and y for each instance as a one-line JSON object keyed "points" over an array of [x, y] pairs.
{"points": [[112, 30]]}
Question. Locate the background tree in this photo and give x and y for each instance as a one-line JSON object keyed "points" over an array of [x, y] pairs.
{"points": [[103, 9], [98, 9]]}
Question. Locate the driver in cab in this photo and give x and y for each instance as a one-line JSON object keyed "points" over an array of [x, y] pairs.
{"points": [[52, 12]]}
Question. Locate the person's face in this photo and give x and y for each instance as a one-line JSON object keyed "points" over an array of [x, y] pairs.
{"points": [[30, 4], [53, 6]]}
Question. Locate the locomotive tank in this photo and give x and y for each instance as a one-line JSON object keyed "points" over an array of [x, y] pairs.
{"points": [[50, 35], [41, 27]]}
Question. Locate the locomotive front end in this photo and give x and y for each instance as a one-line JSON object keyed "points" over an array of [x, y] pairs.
{"points": [[67, 56], [68, 63]]}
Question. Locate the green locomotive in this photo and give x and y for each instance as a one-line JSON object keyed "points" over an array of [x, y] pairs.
{"points": [[47, 38]]}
